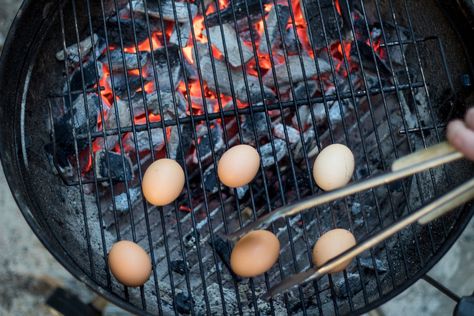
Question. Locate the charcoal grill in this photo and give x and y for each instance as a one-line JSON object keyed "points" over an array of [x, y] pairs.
{"points": [[94, 91]]}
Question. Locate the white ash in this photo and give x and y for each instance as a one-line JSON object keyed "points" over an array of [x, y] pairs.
{"points": [[367, 263], [353, 282], [121, 200], [76, 51], [116, 58], [267, 154], [143, 140], [182, 38], [310, 146], [222, 83], [296, 71], [241, 191], [118, 115], [304, 90], [232, 43], [335, 112], [173, 142], [277, 20], [293, 134], [257, 120]]}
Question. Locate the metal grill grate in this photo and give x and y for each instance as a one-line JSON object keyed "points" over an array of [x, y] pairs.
{"points": [[380, 121]]}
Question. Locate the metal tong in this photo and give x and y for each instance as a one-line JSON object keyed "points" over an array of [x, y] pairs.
{"points": [[419, 161]]}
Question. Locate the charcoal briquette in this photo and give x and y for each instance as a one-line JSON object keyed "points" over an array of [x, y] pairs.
{"points": [[179, 266], [114, 165], [184, 304]]}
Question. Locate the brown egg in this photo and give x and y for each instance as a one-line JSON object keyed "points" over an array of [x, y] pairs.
{"points": [[162, 182], [255, 253], [331, 244], [129, 263], [334, 166], [238, 166]]}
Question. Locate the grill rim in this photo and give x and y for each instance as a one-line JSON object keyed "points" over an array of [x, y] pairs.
{"points": [[11, 155]]}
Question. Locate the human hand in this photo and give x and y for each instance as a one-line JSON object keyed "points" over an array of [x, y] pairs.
{"points": [[461, 134]]}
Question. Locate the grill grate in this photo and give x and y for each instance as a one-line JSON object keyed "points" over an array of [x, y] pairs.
{"points": [[370, 129]]}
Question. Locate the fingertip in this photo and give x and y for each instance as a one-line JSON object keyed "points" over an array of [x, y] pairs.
{"points": [[461, 138], [469, 118]]}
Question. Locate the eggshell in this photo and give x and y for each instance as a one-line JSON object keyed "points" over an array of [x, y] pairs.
{"points": [[331, 244], [129, 263], [162, 182], [334, 166], [238, 166], [255, 253]]}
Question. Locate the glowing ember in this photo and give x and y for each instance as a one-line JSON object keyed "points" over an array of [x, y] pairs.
{"points": [[198, 94]]}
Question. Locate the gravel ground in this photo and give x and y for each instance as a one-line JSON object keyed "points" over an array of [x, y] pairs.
{"points": [[28, 273]]}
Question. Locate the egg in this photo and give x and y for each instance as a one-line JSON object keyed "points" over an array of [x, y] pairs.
{"points": [[238, 166], [334, 166], [162, 182], [255, 253], [331, 244], [129, 263]]}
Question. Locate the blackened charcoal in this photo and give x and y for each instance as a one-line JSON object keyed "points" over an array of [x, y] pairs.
{"points": [[353, 282], [121, 200], [232, 40], [321, 33], [109, 6], [221, 81], [122, 84], [237, 8], [184, 304], [204, 146], [166, 9], [267, 154], [295, 64], [126, 33], [164, 56], [74, 52], [223, 249], [259, 122], [369, 59], [179, 266], [143, 141], [75, 116], [367, 263], [191, 239], [305, 90], [211, 183], [277, 20], [293, 135], [91, 72], [116, 59], [113, 165]]}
